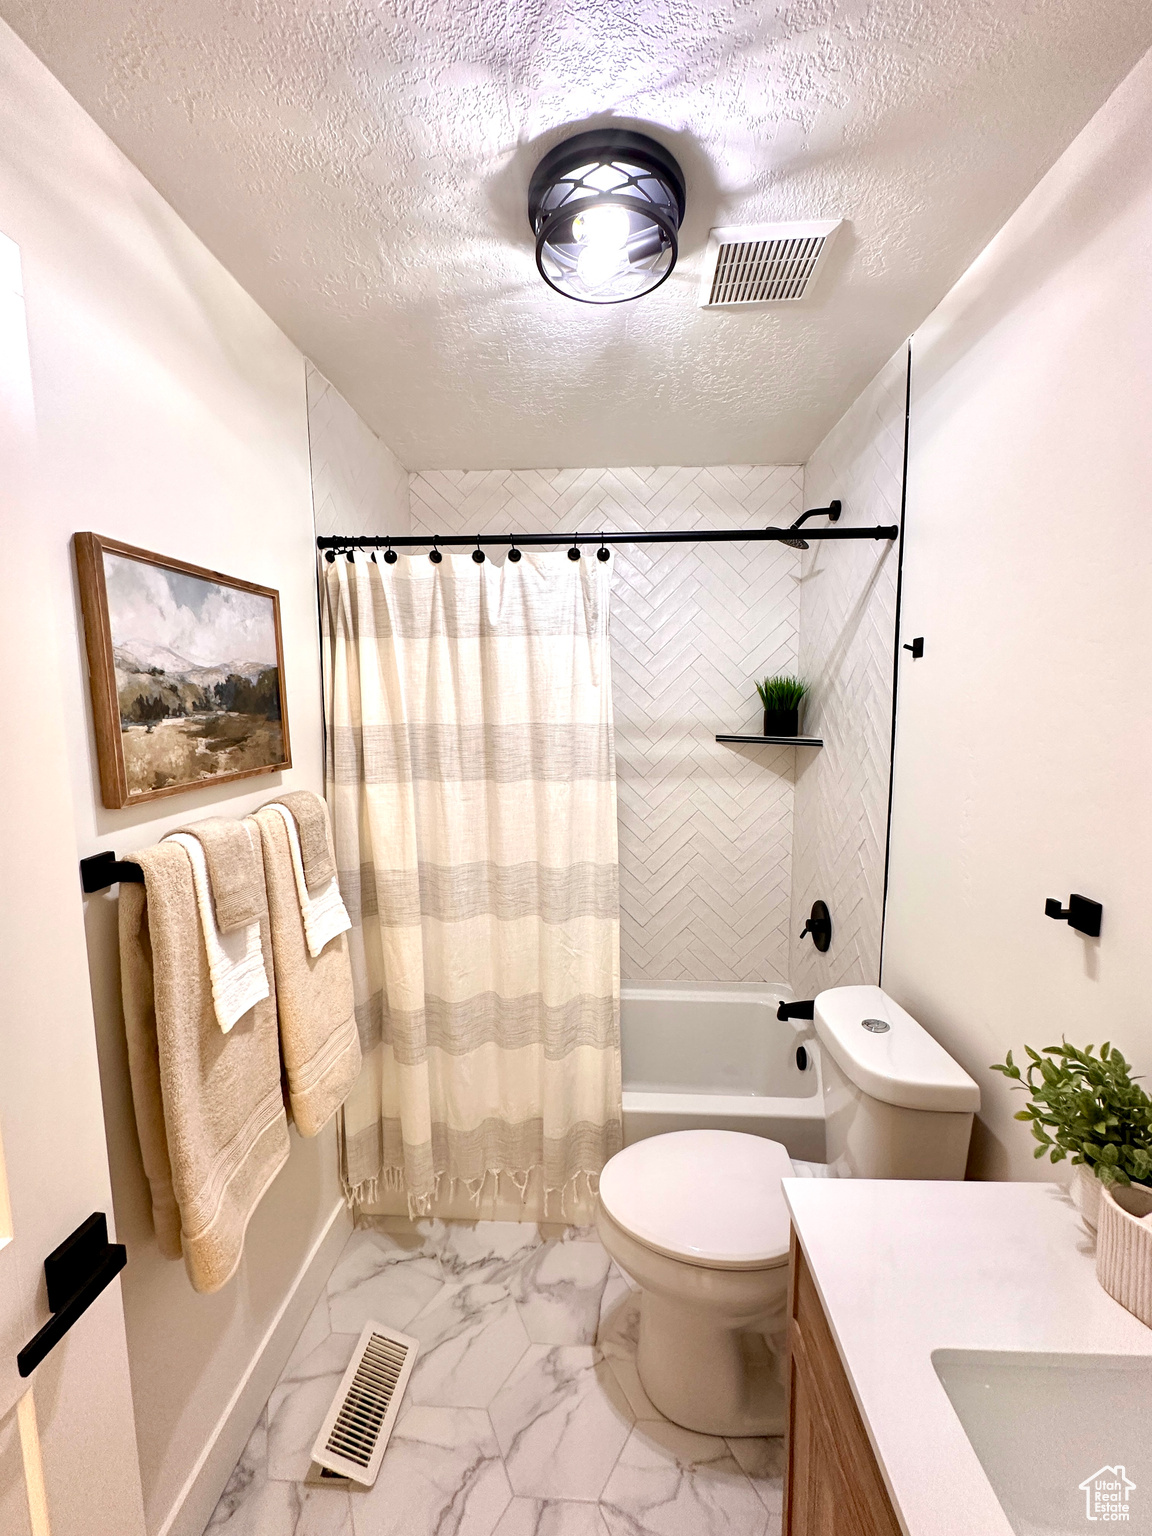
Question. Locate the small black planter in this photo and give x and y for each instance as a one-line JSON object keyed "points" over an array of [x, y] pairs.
{"points": [[781, 722]]}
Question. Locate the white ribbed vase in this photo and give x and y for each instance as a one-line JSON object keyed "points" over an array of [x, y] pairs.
{"points": [[1124, 1247], [1085, 1191]]}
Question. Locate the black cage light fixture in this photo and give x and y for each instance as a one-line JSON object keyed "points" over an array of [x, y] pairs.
{"points": [[605, 207]]}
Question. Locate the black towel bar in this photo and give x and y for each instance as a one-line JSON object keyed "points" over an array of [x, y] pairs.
{"points": [[105, 869]]}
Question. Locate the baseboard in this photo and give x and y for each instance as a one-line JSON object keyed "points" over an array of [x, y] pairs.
{"points": [[200, 1494]]}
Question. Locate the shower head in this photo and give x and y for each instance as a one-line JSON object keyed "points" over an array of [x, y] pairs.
{"points": [[831, 512]]}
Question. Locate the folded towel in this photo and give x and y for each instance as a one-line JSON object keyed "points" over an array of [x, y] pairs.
{"points": [[312, 824], [235, 871], [235, 960], [209, 1109], [325, 915], [319, 1040]]}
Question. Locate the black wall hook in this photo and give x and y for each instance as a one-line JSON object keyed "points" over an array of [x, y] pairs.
{"points": [[1080, 913], [917, 647]]}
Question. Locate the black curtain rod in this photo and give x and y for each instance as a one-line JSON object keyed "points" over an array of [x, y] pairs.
{"points": [[513, 540]]}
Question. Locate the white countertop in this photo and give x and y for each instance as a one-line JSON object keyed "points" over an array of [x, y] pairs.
{"points": [[904, 1268]]}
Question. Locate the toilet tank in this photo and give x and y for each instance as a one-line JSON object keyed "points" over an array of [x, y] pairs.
{"points": [[896, 1105]]}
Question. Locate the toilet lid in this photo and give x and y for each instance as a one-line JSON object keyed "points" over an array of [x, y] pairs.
{"points": [[707, 1197]]}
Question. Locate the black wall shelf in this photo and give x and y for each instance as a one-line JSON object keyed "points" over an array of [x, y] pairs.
{"points": [[777, 741]]}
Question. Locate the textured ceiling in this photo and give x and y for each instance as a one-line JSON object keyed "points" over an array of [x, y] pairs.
{"points": [[362, 168]]}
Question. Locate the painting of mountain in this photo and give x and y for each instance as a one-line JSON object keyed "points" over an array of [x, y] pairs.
{"points": [[194, 687]]}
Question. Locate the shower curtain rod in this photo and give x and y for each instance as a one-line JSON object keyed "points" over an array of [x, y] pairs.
{"points": [[332, 543]]}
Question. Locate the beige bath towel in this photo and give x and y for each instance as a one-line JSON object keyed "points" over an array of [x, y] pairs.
{"points": [[235, 871], [209, 1106], [312, 822], [318, 1037]]}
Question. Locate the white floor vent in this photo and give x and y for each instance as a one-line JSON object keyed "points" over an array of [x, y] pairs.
{"points": [[763, 263], [355, 1432]]}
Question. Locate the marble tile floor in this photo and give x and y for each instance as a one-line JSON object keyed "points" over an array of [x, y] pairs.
{"points": [[524, 1416]]}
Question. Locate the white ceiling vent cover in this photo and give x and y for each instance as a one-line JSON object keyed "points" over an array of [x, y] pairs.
{"points": [[355, 1432], [763, 263]]}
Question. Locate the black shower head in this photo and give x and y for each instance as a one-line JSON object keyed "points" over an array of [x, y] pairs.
{"points": [[831, 512]]}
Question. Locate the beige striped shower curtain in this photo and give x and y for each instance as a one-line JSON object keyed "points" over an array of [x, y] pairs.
{"points": [[471, 780]]}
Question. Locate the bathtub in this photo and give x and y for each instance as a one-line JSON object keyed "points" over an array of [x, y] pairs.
{"points": [[714, 1055]]}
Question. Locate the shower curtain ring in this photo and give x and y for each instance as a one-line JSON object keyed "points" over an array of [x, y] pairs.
{"points": [[434, 554], [351, 556], [603, 553], [478, 553], [513, 552], [390, 555], [329, 555], [574, 552]]}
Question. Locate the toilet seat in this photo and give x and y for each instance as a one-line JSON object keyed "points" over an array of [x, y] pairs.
{"points": [[707, 1198]]}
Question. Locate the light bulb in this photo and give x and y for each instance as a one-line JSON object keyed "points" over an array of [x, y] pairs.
{"points": [[603, 226], [598, 264]]}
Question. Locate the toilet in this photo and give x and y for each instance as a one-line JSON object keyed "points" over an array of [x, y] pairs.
{"points": [[698, 1220]]}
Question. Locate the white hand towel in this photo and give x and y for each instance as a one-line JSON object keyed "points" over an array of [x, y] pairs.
{"points": [[236, 959], [324, 914]]}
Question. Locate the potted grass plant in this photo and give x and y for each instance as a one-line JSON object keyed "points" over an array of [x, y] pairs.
{"points": [[781, 697], [1086, 1106]]}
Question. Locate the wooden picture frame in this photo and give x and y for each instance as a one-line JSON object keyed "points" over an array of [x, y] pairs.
{"points": [[172, 708]]}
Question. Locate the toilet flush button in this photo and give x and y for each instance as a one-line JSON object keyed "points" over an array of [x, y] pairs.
{"points": [[877, 1026]]}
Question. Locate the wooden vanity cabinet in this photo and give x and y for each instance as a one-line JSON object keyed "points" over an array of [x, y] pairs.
{"points": [[833, 1486]]}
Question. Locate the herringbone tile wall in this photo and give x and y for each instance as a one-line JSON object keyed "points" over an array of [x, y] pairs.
{"points": [[358, 484], [705, 829], [847, 638]]}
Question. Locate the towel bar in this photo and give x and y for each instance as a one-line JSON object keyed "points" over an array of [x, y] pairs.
{"points": [[105, 869]]}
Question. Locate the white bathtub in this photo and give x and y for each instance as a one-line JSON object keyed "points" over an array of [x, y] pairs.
{"points": [[714, 1054]]}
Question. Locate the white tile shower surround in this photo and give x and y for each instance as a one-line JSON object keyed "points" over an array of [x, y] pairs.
{"points": [[705, 829], [524, 1415], [847, 633]]}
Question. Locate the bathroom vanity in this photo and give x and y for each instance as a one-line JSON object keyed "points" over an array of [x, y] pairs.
{"points": [[833, 1481], [955, 1367]]}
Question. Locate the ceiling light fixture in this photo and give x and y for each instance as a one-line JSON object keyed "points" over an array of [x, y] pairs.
{"points": [[605, 208]]}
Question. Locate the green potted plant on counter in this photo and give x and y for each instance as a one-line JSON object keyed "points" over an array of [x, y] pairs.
{"points": [[1087, 1107], [781, 698]]}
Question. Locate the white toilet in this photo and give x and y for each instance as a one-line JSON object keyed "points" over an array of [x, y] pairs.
{"points": [[698, 1219]]}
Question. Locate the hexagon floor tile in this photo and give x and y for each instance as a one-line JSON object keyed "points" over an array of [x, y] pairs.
{"points": [[524, 1416]]}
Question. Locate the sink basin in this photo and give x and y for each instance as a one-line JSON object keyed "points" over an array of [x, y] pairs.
{"points": [[1065, 1440]]}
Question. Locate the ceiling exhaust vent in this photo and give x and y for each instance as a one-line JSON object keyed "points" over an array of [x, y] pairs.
{"points": [[355, 1432], [763, 263]]}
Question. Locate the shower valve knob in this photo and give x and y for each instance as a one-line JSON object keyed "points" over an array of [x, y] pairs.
{"points": [[819, 925]]}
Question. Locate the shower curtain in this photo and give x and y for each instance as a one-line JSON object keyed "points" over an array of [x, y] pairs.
{"points": [[471, 778]]}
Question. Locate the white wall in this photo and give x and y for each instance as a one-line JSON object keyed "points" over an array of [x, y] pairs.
{"points": [[359, 486], [1025, 733], [170, 413], [705, 829], [847, 634]]}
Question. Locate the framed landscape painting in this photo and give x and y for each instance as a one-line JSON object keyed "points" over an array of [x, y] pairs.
{"points": [[187, 673]]}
